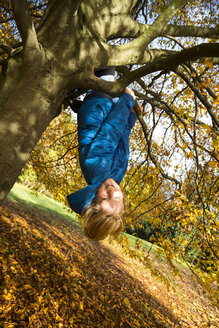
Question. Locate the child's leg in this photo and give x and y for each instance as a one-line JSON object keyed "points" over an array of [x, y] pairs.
{"points": [[107, 74]]}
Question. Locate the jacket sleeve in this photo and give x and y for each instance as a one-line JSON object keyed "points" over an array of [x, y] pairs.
{"points": [[131, 122], [99, 159], [121, 156]]}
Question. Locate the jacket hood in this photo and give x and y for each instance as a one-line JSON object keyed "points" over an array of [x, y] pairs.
{"points": [[81, 199]]}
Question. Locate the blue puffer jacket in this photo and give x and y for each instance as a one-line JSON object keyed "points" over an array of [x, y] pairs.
{"points": [[103, 132]]}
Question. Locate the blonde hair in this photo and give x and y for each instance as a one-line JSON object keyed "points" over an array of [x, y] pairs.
{"points": [[98, 224]]}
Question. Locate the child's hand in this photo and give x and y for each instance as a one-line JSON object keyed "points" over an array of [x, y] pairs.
{"points": [[139, 107], [131, 92]]}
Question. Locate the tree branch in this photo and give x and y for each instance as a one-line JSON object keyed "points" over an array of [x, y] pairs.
{"points": [[5, 48], [9, 50], [200, 96], [187, 31], [192, 31], [152, 157], [134, 29], [172, 61], [166, 63], [138, 45], [157, 102], [25, 25], [146, 199]]}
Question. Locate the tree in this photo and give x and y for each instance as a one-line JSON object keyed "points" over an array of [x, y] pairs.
{"points": [[50, 47], [168, 50]]}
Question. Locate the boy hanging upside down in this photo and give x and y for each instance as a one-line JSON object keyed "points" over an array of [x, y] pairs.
{"points": [[103, 135]]}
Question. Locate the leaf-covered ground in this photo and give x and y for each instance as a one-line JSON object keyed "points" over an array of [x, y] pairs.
{"points": [[53, 276]]}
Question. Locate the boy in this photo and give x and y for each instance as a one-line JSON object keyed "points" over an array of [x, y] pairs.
{"points": [[103, 131]]}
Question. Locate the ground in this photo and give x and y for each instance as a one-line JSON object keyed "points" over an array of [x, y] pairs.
{"points": [[51, 275]]}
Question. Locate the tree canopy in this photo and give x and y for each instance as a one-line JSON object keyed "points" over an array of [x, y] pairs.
{"points": [[168, 50]]}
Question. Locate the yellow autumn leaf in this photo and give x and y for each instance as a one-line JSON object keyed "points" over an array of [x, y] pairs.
{"points": [[126, 301], [191, 155], [184, 146], [209, 63], [57, 317], [137, 323], [81, 305], [212, 163]]}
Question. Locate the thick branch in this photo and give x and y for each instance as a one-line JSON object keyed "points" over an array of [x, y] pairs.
{"points": [[186, 31], [133, 29], [164, 58], [164, 63], [59, 30], [122, 26], [139, 44], [192, 31], [25, 25], [172, 61]]}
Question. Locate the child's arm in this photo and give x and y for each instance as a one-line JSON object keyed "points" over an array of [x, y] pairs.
{"points": [[114, 125], [132, 116], [122, 153]]}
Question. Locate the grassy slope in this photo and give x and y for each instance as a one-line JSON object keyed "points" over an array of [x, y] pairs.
{"points": [[23, 195], [53, 276]]}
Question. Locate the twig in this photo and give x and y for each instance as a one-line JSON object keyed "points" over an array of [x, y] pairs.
{"points": [[152, 157], [199, 95]]}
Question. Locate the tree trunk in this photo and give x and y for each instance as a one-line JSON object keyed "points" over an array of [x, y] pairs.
{"points": [[35, 96]]}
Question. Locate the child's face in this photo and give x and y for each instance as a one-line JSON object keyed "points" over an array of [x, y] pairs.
{"points": [[110, 197]]}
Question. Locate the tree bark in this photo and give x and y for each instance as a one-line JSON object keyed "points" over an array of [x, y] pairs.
{"points": [[32, 104]]}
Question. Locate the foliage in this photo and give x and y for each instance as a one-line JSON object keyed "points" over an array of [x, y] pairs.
{"points": [[55, 160], [143, 231]]}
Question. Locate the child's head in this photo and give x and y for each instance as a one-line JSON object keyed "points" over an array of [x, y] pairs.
{"points": [[105, 215], [109, 197]]}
